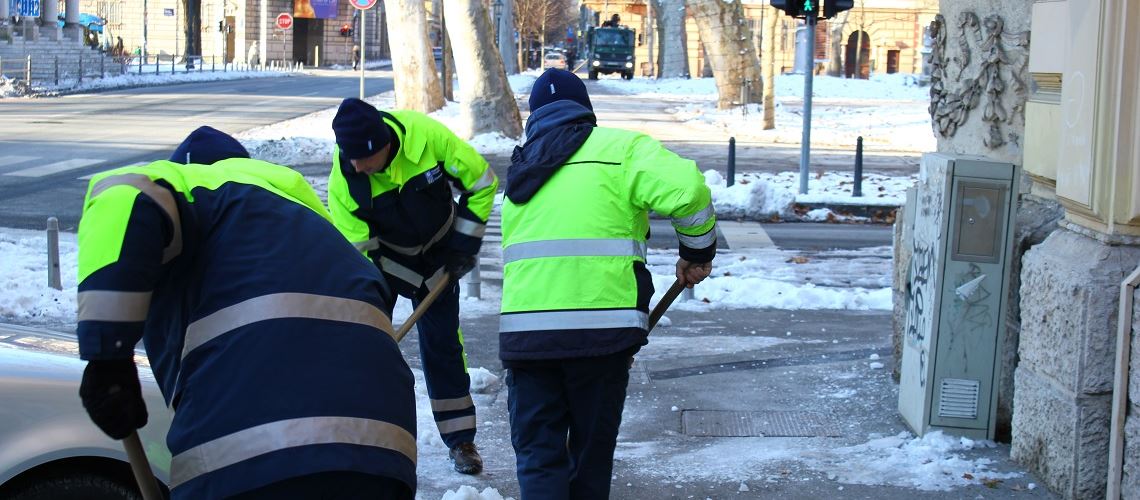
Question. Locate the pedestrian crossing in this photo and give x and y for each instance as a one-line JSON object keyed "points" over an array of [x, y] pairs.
{"points": [[30, 167]]}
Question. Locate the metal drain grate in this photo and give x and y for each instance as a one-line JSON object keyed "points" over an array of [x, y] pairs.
{"points": [[723, 423]]}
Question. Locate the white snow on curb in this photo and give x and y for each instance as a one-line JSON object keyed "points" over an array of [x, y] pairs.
{"points": [[758, 195]]}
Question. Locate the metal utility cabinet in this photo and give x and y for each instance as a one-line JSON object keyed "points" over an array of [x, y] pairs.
{"points": [[956, 293]]}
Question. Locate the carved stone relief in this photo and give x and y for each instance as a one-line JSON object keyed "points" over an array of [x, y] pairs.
{"points": [[986, 85]]}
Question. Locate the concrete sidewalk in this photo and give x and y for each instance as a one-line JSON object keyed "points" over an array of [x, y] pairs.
{"points": [[816, 383]]}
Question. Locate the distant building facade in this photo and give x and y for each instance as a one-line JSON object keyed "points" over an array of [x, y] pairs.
{"points": [[877, 36]]}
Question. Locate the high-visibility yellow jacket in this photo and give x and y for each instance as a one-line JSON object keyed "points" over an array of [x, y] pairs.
{"points": [[574, 280], [265, 330], [405, 217]]}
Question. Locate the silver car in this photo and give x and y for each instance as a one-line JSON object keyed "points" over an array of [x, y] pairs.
{"points": [[49, 448]]}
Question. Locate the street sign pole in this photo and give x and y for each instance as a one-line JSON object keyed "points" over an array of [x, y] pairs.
{"points": [[805, 143], [363, 57]]}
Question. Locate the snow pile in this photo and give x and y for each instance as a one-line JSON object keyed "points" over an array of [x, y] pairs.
{"points": [[309, 139], [148, 78], [12, 88], [482, 380], [760, 195], [934, 462], [523, 82], [24, 294], [470, 493]]}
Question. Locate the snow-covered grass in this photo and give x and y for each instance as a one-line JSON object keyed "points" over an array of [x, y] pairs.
{"points": [[760, 195], [888, 111]]}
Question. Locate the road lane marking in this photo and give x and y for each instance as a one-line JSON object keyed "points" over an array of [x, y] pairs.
{"points": [[743, 235], [89, 176], [55, 167], [7, 161]]}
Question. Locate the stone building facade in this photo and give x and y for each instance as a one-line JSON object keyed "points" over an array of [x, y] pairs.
{"points": [[888, 33], [1054, 86], [230, 27]]}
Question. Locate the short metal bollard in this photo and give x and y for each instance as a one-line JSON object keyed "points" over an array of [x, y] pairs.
{"points": [[53, 253], [57, 70], [28, 71], [731, 171], [475, 281], [857, 190], [687, 294], [81, 68]]}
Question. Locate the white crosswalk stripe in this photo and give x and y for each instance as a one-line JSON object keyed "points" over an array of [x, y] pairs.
{"points": [[491, 254], [10, 160], [55, 167], [89, 176]]}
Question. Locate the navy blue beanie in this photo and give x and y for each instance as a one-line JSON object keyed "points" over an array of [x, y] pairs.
{"points": [[556, 85], [207, 145], [360, 132]]}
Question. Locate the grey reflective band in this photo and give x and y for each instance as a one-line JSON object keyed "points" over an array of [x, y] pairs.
{"points": [[443, 230], [284, 434], [435, 278], [470, 228], [456, 424], [106, 305], [485, 180], [574, 248], [398, 270], [698, 242], [696, 219], [283, 305], [453, 404], [573, 320], [163, 197], [367, 245]]}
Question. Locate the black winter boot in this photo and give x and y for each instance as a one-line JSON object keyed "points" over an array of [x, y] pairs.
{"points": [[466, 458]]}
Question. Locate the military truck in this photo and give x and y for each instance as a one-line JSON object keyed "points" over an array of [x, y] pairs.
{"points": [[610, 50]]}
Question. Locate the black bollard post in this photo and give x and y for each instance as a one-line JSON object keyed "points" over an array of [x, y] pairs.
{"points": [[731, 161], [857, 191]]}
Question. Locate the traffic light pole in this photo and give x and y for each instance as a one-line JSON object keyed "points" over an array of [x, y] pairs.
{"points": [[805, 143]]}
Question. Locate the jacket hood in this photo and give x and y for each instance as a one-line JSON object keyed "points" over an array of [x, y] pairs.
{"points": [[207, 145], [554, 133]]}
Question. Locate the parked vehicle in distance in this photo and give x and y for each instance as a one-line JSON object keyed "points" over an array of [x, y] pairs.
{"points": [[554, 60], [49, 448]]}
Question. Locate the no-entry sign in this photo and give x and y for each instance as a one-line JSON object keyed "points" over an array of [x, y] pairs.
{"points": [[284, 21]]}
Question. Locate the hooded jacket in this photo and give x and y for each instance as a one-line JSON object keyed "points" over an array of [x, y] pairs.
{"points": [[575, 221]]}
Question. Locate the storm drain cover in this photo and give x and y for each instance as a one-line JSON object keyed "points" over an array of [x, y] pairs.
{"points": [[723, 423]]}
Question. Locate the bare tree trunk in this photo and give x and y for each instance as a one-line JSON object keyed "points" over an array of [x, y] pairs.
{"points": [[728, 43], [507, 51], [673, 56], [771, 16], [487, 103], [835, 62], [413, 67]]}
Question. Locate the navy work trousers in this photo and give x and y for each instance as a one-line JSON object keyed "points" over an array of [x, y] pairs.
{"points": [[565, 417], [445, 368], [332, 485]]}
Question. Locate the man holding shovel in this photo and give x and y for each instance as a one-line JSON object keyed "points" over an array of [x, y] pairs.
{"points": [[575, 288], [390, 194], [285, 382]]}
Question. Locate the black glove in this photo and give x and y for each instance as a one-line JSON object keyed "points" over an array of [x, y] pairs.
{"points": [[458, 264], [112, 396]]}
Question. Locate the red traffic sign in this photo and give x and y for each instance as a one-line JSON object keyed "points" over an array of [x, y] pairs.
{"points": [[363, 4], [284, 21]]}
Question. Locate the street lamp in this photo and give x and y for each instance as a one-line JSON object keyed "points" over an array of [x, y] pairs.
{"points": [[497, 10]]}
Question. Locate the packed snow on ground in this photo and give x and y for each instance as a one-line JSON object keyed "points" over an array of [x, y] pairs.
{"points": [[760, 195], [890, 112], [471, 493], [309, 139], [935, 462]]}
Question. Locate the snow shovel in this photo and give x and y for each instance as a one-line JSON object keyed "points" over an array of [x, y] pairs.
{"points": [[141, 468], [666, 301], [424, 305]]}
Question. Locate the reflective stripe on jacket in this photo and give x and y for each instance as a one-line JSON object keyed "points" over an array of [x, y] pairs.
{"points": [[574, 280], [403, 217], [265, 329]]}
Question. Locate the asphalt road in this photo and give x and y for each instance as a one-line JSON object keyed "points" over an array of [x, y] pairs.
{"points": [[48, 145]]}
